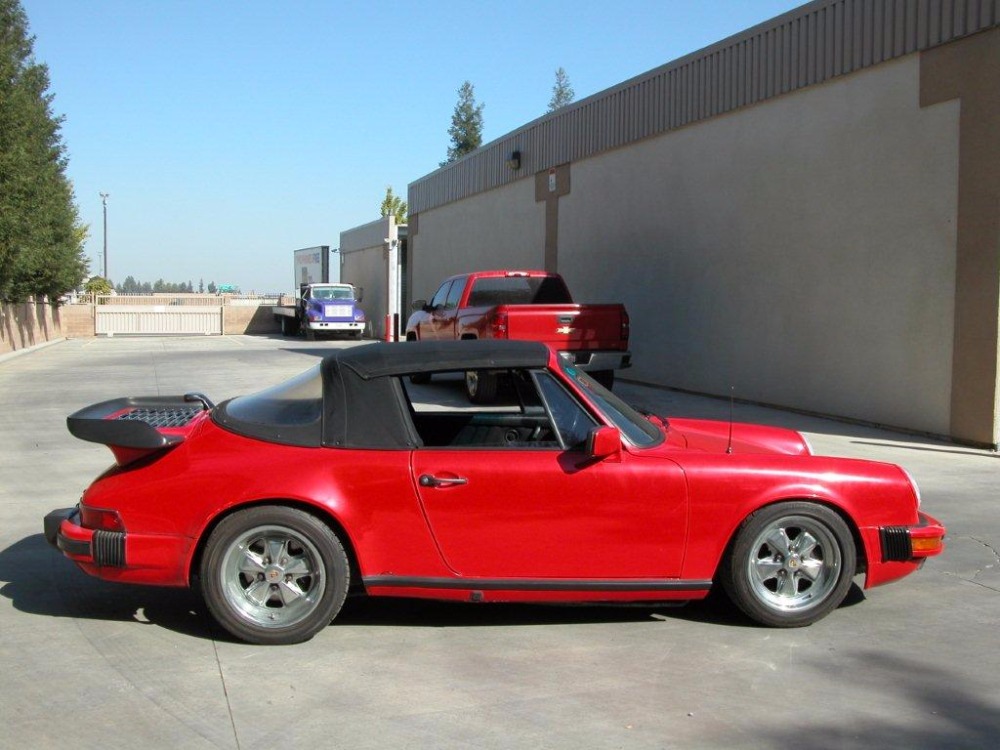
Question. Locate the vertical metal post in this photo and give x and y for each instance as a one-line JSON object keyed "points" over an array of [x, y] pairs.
{"points": [[104, 203]]}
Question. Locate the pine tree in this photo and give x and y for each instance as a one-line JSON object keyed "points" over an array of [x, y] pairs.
{"points": [[41, 238], [466, 129], [562, 91], [393, 205]]}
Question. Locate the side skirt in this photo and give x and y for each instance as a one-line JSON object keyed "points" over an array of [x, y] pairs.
{"points": [[615, 586]]}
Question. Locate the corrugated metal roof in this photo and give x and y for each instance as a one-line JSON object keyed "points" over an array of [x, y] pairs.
{"points": [[809, 45]]}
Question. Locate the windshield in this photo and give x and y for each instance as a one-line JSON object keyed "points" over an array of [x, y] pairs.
{"points": [[637, 429], [337, 292]]}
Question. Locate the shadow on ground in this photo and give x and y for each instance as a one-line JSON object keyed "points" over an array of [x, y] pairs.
{"points": [[39, 581]]}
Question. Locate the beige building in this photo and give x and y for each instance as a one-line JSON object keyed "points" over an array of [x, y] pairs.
{"points": [[808, 212], [373, 258]]}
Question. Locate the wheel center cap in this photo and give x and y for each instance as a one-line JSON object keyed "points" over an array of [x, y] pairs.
{"points": [[793, 562], [273, 575]]}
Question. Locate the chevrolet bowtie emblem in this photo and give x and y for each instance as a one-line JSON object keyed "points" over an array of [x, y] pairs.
{"points": [[564, 330]]}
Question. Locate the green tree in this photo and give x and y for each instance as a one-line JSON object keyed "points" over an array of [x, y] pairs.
{"points": [[466, 129], [41, 238], [393, 205], [562, 91], [211, 287], [98, 285]]}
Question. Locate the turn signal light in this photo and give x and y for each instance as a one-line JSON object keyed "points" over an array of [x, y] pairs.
{"points": [[923, 546]]}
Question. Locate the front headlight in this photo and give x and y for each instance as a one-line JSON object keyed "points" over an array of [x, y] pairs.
{"points": [[913, 483]]}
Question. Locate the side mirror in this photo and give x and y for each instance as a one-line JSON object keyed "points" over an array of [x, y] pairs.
{"points": [[604, 442], [359, 293], [420, 304]]}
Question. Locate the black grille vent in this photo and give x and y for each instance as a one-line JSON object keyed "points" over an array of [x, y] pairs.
{"points": [[109, 549], [167, 417], [895, 543]]}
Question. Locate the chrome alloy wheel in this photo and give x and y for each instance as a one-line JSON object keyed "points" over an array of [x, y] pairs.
{"points": [[272, 576], [794, 564]]}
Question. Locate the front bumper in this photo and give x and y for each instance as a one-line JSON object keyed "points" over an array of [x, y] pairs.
{"points": [[319, 325], [905, 543], [94, 546]]}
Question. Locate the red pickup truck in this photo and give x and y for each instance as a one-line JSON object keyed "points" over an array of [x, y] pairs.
{"points": [[526, 305]]}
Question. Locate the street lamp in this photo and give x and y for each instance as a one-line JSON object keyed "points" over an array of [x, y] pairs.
{"points": [[104, 202]]}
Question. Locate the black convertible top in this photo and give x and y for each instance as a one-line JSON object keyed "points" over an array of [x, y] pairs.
{"points": [[379, 360], [354, 398]]}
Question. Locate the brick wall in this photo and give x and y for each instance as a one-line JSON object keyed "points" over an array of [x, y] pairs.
{"points": [[28, 323]]}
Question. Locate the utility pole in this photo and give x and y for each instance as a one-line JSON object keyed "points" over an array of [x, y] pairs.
{"points": [[104, 202]]}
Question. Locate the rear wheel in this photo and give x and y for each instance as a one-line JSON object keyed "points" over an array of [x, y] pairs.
{"points": [[289, 326], [790, 565], [274, 575], [481, 386]]}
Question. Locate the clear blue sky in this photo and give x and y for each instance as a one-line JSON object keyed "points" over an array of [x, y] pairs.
{"points": [[230, 133]]}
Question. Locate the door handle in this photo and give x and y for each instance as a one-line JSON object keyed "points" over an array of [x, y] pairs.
{"points": [[429, 480]]}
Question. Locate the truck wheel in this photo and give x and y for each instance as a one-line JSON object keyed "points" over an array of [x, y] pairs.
{"points": [[481, 386], [289, 326], [605, 378]]}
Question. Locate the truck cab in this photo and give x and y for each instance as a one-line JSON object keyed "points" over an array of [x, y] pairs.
{"points": [[331, 308]]}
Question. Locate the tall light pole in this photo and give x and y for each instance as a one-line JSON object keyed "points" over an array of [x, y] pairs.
{"points": [[104, 202]]}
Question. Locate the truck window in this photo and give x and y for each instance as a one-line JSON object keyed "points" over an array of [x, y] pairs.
{"points": [[455, 294], [518, 290], [437, 302]]}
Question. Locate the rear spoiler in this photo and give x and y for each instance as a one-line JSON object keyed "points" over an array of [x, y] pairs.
{"points": [[136, 427]]}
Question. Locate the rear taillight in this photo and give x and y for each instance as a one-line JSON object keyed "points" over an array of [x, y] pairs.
{"points": [[101, 519], [625, 325], [498, 325]]}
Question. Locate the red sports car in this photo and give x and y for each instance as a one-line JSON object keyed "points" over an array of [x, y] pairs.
{"points": [[360, 476]]}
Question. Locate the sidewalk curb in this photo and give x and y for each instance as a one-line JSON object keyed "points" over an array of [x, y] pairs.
{"points": [[27, 350]]}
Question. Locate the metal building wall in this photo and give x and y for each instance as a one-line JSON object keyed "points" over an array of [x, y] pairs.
{"points": [[809, 45]]}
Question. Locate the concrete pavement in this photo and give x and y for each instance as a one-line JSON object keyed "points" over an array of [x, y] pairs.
{"points": [[93, 664]]}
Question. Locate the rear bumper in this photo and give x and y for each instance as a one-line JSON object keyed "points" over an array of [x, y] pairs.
{"points": [[595, 361], [157, 559], [98, 547]]}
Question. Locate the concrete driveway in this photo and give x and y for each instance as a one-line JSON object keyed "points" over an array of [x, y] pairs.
{"points": [[90, 664]]}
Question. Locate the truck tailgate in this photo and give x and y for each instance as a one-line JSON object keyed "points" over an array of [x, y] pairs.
{"points": [[568, 327]]}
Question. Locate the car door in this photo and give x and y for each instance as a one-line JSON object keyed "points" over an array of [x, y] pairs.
{"points": [[430, 327], [553, 512]]}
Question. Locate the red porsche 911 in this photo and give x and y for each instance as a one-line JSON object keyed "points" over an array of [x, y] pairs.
{"points": [[365, 475]]}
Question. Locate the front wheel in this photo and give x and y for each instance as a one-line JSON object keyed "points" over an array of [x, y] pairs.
{"points": [[790, 565], [274, 575]]}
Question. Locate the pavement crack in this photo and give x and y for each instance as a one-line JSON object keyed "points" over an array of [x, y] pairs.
{"points": [[225, 693], [990, 547]]}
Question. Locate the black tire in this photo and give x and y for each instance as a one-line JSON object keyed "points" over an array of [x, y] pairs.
{"points": [[790, 564], [274, 575], [289, 326], [481, 386], [605, 378]]}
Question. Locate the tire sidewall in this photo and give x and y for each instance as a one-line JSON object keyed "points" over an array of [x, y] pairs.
{"points": [[333, 559], [736, 579]]}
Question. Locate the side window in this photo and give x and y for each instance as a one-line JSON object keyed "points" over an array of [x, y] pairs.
{"points": [[515, 420], [572, 422], [441, 295], [457, 287]]}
